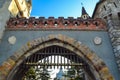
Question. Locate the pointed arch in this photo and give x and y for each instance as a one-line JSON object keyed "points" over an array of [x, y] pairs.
{"points": [[98, 67]]}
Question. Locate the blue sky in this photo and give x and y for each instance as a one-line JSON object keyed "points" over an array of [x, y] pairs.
{"points": [[64, 8]]}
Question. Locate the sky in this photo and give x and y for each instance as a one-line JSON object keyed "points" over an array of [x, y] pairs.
{"points": [[61, 8]]}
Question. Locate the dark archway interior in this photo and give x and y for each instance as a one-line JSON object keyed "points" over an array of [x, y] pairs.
{"points": [[53, 56]]}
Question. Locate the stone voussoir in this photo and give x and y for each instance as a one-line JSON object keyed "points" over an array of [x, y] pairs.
{"points": [[104, 72]]}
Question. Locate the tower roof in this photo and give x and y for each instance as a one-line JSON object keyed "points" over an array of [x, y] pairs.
{"points": [[83, 11], [84, 14]]}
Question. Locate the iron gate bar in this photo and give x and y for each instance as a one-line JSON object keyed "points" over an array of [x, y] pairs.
{"points": [[54, 64], [51, 62], [54, 56], [58, 60]]}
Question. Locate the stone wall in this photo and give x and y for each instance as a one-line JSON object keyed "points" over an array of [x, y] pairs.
{"points": [[4, 15], [96, 64], [109, 13], [52, 23], [103, 50]]}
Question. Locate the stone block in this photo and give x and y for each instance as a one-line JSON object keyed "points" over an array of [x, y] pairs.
{"points": [[110, 77], [71, 41], [118, 65], [40, 40], [60, 37], [104, 72], [118, 47], [69, 47], [4, 71], [7, 66], [117, 54], [11, 61], [118, 61], [51, 37], [29, 45], [18, 53]]}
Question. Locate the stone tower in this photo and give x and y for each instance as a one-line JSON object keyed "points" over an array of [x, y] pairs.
{"points": [[13, 8], [20, 8], [109, 11], [84, 14]]}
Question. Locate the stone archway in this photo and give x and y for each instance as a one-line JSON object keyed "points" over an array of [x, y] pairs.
{"points": [[99, 68]]}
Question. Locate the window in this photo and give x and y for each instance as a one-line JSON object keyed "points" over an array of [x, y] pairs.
{"points": [[45, 23], [119, 15], [104, 7], [105, 18], [66, 23], [35, 23], [115, 4], [110, 16], [76, 24], [55, 23], [86, 23], [96, 23], [26, 23]]}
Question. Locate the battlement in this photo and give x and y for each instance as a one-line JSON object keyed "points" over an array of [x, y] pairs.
{"points": [[42, 23]]}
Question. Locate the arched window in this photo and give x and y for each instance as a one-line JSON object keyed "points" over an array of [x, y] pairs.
{"points": [[104, 7], [35, 23], [96, 23], [86, 23], [55, 23], [115, 4], [76, 23], [15, 23], [25, 23], [45, 23], [66, 23], [119, 15]]}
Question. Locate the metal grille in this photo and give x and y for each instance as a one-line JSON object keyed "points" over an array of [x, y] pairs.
{"points": [[54, 56]]}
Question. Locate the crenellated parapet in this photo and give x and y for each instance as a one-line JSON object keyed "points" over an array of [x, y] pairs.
{"points": [[61, 23]]}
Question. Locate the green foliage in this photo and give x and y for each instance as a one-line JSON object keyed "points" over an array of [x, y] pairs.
{"points": [[30, 74], [78, 78], [39, 74], [71, 73], [43, 74]]}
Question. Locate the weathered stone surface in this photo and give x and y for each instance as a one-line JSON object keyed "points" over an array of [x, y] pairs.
{"points": [[51, 37], [29, 45], [104, 72], [14, 57], [60, 25], [10, 61], [4, 16], [66, 42]]}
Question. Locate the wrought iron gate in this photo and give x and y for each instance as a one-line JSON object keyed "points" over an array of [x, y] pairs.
{"points": [[54, 57]]}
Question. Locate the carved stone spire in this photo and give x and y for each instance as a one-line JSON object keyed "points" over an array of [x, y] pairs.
{"points": [[84, 14]]}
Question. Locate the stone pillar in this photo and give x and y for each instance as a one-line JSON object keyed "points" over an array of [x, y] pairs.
{"points": [[4, 16]]}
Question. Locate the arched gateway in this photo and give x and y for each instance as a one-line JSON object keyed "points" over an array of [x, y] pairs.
{"points": [[96, 67]]}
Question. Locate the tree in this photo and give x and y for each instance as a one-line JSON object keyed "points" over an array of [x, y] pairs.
{"points": [[78, 78], [43, 74], [30, 74], [71, 73], [74, 73]]}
